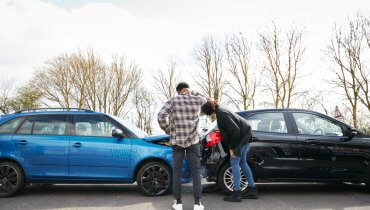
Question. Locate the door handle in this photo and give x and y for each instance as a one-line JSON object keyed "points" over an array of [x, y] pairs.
{"points": [[311, 141], [77, 145], [22, 142]]}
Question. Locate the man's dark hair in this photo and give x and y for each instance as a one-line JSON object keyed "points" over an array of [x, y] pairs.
{"points": [[210, 107], [181, 86]]}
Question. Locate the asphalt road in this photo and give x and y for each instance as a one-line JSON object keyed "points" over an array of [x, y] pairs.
{"points": [[272, 196]]}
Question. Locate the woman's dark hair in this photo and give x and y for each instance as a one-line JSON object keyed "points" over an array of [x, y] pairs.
{"points": [[210, 107], [181, 86]]}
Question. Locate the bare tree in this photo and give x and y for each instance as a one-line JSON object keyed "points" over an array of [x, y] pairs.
{"points": [[243, 83], [165, 80], [54, 81], [90, 69], [6, 91], [364, 71], [346, 51], [82, 80], [84, 68], [208, 56], [283, 55], [27, 97], [314, 101], [125, 78], [145, 106], [105, 81]]}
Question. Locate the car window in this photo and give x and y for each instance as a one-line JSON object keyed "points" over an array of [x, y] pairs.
{"points": [[50, 125], [10, 126], [310, 124], [90, 125], [26, 127], [268, 122]]}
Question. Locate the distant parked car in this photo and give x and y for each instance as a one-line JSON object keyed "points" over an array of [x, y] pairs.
{"points": [[293, 145], [81, 146]]}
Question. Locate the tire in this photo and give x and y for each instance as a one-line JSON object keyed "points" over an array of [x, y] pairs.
{"points": [[225, 179], [154, 179], [12, 180]]}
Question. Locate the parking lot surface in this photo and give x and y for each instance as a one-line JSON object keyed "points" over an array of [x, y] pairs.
{"points": [[272, 196]]}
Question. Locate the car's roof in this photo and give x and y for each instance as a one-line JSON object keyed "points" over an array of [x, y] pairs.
{"points": [[248, 112], [52, 112], [274, 110], [43, 112]]}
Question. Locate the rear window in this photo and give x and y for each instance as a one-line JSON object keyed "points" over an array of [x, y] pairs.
{"points": [[54, 125], [268, 122], [10, 126], [26, 127], [50, 125]]}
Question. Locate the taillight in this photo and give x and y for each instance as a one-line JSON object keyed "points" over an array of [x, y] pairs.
{"points": [[213, 138]]}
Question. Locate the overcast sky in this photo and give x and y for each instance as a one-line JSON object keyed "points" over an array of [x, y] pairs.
{"points": [[148, 31]]}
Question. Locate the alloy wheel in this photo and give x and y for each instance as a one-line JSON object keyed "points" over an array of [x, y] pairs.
{"points": [[8, 179], [229, 182], [155, 180]]}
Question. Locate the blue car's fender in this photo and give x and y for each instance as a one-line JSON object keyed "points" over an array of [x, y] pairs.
{"points": [[7, 151], [144, 151]]}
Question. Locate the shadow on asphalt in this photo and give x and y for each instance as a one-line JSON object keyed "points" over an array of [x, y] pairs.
{"points": [[278, 195]]}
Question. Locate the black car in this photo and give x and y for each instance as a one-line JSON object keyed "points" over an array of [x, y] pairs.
{"points": [[292, 145]]}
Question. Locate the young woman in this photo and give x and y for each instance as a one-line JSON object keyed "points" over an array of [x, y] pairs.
{"points": [[236, 135]]}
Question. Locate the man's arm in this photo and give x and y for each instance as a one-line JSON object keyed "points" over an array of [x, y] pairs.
{"points": [[202, 98], [162, 116]]}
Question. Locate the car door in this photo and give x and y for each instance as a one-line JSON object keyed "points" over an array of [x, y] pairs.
{"points": [[318, 136], [94, 153], [274, 151], [42, 144], [351, 157]]}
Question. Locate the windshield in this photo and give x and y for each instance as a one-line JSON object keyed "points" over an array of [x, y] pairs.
{"points": [[137, 131]]}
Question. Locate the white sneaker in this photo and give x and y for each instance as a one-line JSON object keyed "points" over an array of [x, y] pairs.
{"points": [[177, 206], [198, 207]]}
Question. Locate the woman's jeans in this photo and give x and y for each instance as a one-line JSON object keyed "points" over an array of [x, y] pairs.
{"points": [[238, 162]]}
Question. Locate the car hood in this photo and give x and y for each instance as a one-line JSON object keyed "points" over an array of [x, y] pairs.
{"points": [[153, 138]]}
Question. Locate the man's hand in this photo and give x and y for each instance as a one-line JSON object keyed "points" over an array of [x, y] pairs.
{"points": [[232, 154], [168, 131]]}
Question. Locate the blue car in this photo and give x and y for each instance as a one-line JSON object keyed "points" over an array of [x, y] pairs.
{"points": [[81, 146]]}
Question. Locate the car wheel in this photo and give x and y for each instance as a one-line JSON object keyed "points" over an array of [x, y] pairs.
{"points": [[12, 179], [154, 179], [225, 179]]}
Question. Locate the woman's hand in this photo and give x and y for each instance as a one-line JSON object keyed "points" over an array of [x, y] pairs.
{"points": [[232, 154]]}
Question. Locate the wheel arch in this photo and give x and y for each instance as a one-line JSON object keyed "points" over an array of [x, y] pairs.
{"points": [[148, 160], [8, 159]]}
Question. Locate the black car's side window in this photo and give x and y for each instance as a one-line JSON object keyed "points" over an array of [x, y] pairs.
{"points": [[10, 126], [50, 125], [310, 124], [93, 125], [268, 122]]}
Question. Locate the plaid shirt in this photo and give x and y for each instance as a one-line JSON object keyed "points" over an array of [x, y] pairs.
{"points": [[183, 112]]}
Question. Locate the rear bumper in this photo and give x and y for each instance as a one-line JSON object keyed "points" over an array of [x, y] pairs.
{"points": [[211, 162]]}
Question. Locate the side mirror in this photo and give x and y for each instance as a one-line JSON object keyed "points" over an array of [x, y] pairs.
{"points": [[117, 133], [352, 133]]}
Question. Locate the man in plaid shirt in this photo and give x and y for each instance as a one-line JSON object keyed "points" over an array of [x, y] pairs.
{"points": [[183, 112]]}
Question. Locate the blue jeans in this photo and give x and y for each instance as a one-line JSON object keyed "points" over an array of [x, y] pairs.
{"points": [[238, 162]]}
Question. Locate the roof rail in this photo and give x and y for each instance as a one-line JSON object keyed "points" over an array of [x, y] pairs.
{"points": [[53, 109]]}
